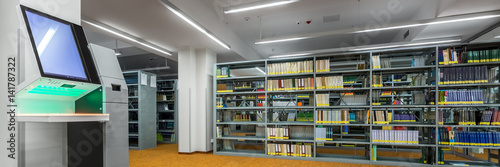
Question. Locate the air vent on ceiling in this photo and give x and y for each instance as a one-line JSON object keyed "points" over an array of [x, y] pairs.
{"points": [[332, 18]]}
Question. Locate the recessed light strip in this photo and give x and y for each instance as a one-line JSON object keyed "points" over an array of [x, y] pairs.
{"points": [[258, 5], [290, 55], [193, 23], [127, 37], [444, 20], [406, 45], [430, 23]]}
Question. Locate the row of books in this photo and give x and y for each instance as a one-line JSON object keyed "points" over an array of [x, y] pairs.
{"points": [[377, 81], [395, 136], [331, 82], [382, 117], [451, 56], [332, 116], [466, 75], [461, 97], [295, 150], [468, 117], [468, 138], [323, 65], [418, 79], [292, 116], [327, 133], [228, 116], [290, 84], [405, 118], [247, 85], [418, 61], [380, 63], [223, 131], [278, 133], [290, 67], [223, 72], [322, 99]]}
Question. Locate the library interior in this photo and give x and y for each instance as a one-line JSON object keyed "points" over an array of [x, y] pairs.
{"points": [[114, 83]]}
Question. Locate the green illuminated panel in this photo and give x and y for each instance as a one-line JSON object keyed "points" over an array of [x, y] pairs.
{"points": [[50, 90]]}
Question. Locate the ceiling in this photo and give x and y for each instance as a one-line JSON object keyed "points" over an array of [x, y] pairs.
{"points": [[152, 22]]}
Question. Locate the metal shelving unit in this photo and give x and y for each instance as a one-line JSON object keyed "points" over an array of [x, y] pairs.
{"points": [[141, 109], [167, 112], [427, 128]]}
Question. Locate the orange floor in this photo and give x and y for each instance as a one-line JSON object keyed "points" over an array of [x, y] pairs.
{"points": [[166, 155]]}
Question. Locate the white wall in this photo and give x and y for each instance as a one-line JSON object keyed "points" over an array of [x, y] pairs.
{"points": [[195, 99]]}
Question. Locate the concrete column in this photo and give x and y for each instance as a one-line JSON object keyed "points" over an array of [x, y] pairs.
{"points": [[195, 106]]}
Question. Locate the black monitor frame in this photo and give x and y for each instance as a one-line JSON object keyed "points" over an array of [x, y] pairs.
{"points": [[81, 44]]}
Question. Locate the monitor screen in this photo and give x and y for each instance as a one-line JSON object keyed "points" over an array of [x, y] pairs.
{"points": [[56, 46]]}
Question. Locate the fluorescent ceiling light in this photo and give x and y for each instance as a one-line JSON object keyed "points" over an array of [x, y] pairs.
{"points": [[117, 53], [430, 23], [256, 5], [290, 55], [260, 70], [497, 36], [127, 37], [406, 45], [186, 18], [280, 40]]}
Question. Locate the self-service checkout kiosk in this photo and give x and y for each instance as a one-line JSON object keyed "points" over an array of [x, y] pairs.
{"points": [[71, 99]]}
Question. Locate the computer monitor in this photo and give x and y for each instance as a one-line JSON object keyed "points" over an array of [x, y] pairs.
{"points": [[60, 47]]}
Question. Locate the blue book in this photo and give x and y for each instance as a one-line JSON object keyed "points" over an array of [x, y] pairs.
{"points": [[490, 139]]}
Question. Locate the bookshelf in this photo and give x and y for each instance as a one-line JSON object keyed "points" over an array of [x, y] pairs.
{"points": [[342, 107], [141, 109], [167, 111]]}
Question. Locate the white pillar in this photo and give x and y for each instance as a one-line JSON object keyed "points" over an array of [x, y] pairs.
{"points": [[195, 99]]}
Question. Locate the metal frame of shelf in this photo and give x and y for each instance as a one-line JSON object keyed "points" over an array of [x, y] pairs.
{"points": [[370, 106], [145, 110], [174, 93]]}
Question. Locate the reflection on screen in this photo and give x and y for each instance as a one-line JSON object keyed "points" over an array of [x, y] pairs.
{"points": [[56, 47]]}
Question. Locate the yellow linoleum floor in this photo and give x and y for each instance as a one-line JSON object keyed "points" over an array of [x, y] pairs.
{"points": [[166, 155]]}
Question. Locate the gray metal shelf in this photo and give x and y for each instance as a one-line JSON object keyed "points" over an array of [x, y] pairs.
{"points": [[241, 138], [365, 128], [241, 78], [240, 93], [169, 89], [240, 123], [145, 99], [241, 108]]}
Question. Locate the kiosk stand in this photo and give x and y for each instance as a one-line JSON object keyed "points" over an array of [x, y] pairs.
{"points": [[71, 100]]}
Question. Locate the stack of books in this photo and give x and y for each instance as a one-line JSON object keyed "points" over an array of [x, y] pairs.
{"points": [[382, 117], [395, 136], [461, 97], [278, 133], [465, 75], [332, 82], [404, 118], [333, 116], [418, 61], [377, 81], [376, 62], [295, 150], [324, 134], [322, 100], [290, 68], [222, 72], [290, 84], [323, 65], [351, 99], [468, 138]]}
